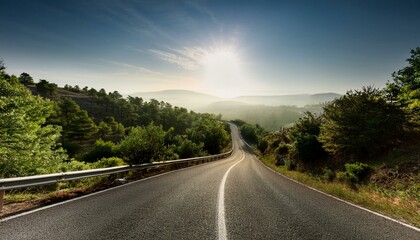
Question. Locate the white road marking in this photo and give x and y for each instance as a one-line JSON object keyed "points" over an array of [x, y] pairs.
{"points": [[4, 219], [341, 200], [221, 221]]}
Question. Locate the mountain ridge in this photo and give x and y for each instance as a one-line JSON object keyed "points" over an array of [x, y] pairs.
{"points": [[196, 100]]}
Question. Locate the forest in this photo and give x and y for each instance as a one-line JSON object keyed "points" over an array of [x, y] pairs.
{"points": [[48, 129]]}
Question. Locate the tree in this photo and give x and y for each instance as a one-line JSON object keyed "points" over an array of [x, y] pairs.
{"points": [[46, 89], [27, 145], [360, 124], [81, 127], [404, 90], [303, 136], [78, 127], [100, 150], [117, 129], [104, 130], [210, 131], [249, 133], [26, 79], [187, 148], [68, 108], [143, 144]]}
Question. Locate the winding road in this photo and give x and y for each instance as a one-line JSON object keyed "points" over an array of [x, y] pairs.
{"points": [[234, 198]]}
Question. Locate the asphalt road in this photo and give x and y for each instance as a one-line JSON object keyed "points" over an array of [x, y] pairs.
{"points": [[234, 198]]}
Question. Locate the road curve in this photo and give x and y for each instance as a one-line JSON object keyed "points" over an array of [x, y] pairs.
{"points": [[234, 198]]}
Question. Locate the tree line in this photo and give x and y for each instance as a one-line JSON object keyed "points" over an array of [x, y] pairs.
{"points": [[41, 131]]}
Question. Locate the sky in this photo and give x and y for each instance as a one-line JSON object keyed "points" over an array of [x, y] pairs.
{"points": [[224, 48]]}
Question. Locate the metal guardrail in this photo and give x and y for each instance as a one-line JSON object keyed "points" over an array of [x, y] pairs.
{"points": [[21, 182]]}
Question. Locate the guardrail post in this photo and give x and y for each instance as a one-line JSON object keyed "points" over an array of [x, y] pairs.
{"points": [[1, 199]]}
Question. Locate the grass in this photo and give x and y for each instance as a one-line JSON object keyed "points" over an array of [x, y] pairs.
{"points": [[405, 209]]}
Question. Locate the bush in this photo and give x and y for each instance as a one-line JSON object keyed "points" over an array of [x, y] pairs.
{"points": [[109, 162], [328, 174], [74, 165], [341, 176], [282, 149], [305, 145], [262, 145], [280, 160], [290, 164], [101, 150], [143, 144], [355, 173]]}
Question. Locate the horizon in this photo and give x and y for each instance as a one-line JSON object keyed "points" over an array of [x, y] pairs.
{"points": [[276, 95], [221, 48]]}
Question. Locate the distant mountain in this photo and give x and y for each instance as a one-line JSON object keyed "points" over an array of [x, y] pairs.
{"points": [[269, 117], [271, 112], [196, 101], [298, 100], [182, 98]]}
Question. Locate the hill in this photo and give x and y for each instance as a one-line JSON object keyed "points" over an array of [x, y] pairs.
{"points": [[197, 101], [298, 100], [271, 112], [182, 98], [270, 117]]}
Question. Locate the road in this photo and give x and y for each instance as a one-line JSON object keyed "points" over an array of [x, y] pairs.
{"points": [[234, 198]]}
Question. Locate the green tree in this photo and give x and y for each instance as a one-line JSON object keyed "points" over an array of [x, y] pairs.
{"points": [[101, 150], [187, 148], [46, 89], [210, 131], [27, 145], [81, 127], [78, 127], [26, 79], [68, 109], [404, 90], [143, 144], [117, 129], [303, 136], [104, 130], [360, 123]]}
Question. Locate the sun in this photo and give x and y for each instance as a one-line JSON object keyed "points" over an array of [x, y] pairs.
{"points": [[222, 72]]}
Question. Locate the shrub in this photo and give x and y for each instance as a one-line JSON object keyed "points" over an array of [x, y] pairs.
{"points": [[280, 160], [305, 145], [74, 165], [143, 144], [355, 173], [282, 149], [109, 162], [290, 164], [328, 174], [262, 145], [101, 150], [341, 176]]}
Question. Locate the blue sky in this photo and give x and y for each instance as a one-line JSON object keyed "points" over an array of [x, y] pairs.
{"points": [[225, 48]]}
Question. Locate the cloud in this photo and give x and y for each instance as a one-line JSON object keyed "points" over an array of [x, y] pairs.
{"points": [[139, 69], [189, 58], [186, 63]]}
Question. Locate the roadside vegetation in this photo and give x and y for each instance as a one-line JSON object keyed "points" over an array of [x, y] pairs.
{"points": [[364, 147], [47, 129]]}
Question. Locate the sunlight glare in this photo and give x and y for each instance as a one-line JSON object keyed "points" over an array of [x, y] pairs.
{"points": [[222, 72]]}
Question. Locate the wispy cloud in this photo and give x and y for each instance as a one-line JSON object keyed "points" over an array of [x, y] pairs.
{"points": [[137, 68], [189, 58], [183, 60]]}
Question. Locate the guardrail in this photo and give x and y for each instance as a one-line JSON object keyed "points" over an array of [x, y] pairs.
{"points": [[21, 182]]}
